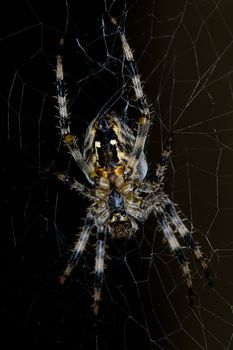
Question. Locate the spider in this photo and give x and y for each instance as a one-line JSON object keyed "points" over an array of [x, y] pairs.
{"points": [[114, 163]]}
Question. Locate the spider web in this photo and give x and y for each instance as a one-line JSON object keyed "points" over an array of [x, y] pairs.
{"points": [[184, 53]]}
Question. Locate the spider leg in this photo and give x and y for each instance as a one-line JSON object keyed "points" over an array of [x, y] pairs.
{"points": [[99, 267], [64, 122], [79, 247], [144, 120], [163, 163], [77, 186], [186, 235], [176, 248]]}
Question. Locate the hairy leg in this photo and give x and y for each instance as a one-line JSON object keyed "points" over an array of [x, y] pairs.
{"points": [[79, 247], [99, 267]]}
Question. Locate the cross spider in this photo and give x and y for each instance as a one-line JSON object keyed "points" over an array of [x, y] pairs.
{"points": [[115, 166]]}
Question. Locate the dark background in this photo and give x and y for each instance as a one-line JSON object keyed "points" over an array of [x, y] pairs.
{"points": [[184, 53]]}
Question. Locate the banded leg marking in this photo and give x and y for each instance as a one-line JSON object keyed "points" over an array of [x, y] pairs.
{"points": [[163, 163], [176, 248], [64, 122], [144, 120], [99, 267], [79, 247], [77, 186], [186, 235]]}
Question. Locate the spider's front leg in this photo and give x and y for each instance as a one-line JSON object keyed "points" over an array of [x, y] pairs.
{"points": [[64, 122], [145, 118]]}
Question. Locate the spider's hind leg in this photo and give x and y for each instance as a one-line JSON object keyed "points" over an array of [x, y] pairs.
{"points": [[186, 235], [79, 247], [176, 248], [99, 267]]}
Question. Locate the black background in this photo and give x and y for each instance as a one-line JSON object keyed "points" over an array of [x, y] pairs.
{"points": [[144, 304]]}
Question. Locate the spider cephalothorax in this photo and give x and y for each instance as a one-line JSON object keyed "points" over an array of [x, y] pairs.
{"points": [[120, 194]]}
